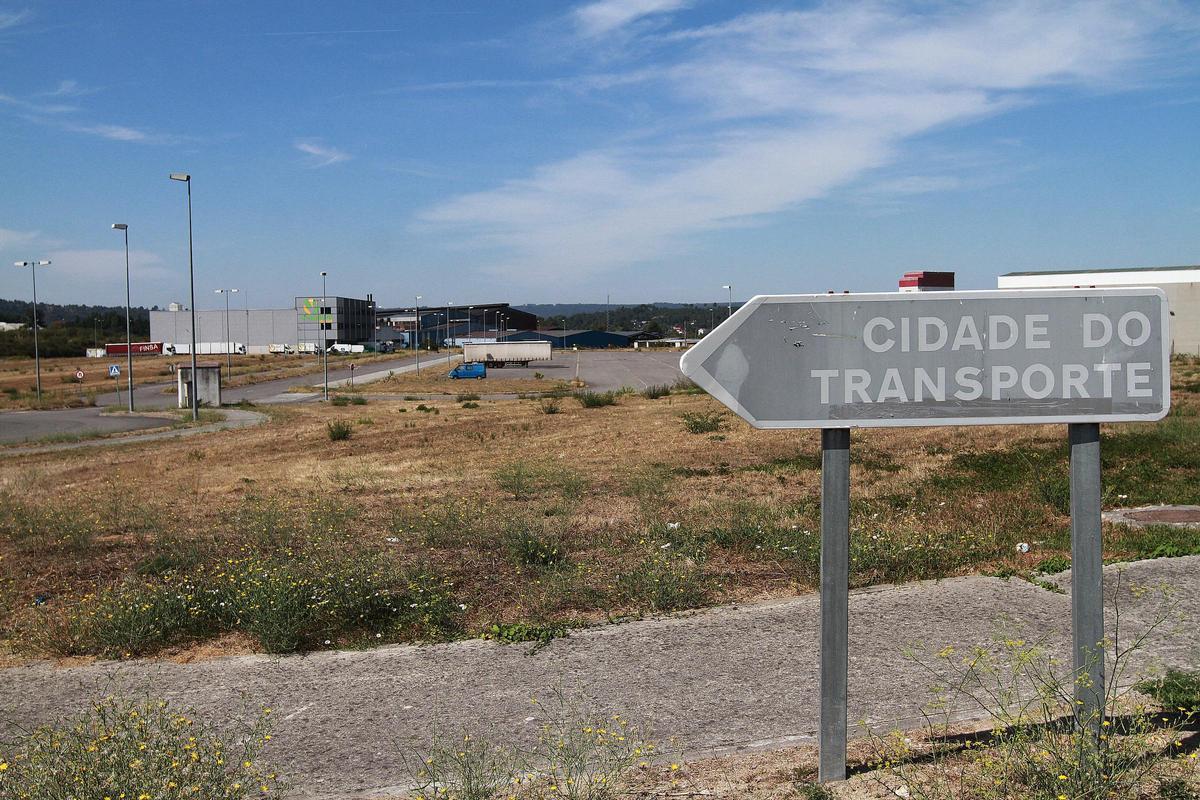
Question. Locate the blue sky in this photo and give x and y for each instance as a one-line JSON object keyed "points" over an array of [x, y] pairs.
{"points": [[538, 152]]}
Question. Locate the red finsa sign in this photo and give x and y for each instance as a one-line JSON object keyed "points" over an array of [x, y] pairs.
{"points": [[138, 348]]}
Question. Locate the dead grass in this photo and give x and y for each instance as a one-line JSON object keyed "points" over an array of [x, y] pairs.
{"points": [[635, 500]]}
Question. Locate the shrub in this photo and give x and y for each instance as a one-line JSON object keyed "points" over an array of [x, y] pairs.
{"points": [[1177, 690], [664, 582], [516, 478], [470, 404], [462, 398], [1041, 744], [702, 421], [534, 549], [340, 400], [596, 399], [285, 603], [550, 405], [1053, 565], [358, 400], [123, 748], [339, 430], [580, 754], [655, 392], [537, 376]]}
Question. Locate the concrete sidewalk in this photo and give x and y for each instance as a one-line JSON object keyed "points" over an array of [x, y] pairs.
{"points": [[731, 678]]}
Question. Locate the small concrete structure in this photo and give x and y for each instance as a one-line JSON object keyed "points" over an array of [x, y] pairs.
{"points": [[208, 384]]}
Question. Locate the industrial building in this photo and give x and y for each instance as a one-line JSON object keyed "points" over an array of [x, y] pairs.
{"points": [[590, 340], [345, 320], [439, 324], [1181, 285]]}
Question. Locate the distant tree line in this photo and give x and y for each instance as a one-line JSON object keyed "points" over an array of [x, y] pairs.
{"points": [[651, 317], [68, 330]]}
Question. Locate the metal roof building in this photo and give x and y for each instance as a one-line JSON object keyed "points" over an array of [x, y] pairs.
{"points": [[591, 340], [1181, 285]]}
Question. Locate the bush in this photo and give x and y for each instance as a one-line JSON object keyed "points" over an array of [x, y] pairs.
{"points": [[470, 404], [339, 430], [340, 400], [665, 582], [285, 603], [596, 399], [121, 748], [462, 398], [702, 421], [358, 400], [655, 392], [534, 549], [550, 405], [581, 754]]}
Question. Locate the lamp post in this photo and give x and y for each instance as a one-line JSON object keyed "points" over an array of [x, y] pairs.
{"points": [[228, 343], [469, 310], [37, 358], [417, 338], [121, 226], [186, 178], [712, 318], [321, 325], [730, 288]]}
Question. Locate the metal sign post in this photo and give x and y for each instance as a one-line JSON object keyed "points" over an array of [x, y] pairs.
{"points": [[835, 600], [114, 372], [1074, 356]]}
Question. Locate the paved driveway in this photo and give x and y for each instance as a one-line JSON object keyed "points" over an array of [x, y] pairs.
{"points": [[728, 679]]}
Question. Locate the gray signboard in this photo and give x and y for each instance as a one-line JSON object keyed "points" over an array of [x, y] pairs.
{"points": [[941, 358]]}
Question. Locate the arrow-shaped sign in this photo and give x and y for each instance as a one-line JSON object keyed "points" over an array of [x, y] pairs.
{"points": [[940, 358]]}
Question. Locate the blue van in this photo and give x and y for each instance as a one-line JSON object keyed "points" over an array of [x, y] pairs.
{"points": [[471, 369]]}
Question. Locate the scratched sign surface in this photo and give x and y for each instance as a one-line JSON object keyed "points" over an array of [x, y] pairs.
{"points": [[940, 358]]}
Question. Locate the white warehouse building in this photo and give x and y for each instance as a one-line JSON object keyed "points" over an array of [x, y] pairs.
{"points": [[1181, 284]]}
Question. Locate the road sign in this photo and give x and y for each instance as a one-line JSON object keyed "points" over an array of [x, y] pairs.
{"points": [[78, 374], [114, 370], [1079, 356], [950, 358]]}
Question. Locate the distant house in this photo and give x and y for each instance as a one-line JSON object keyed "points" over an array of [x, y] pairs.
{"points": [[13, 326]]}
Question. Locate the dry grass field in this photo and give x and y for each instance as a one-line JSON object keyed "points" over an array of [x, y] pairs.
{"points": [[399, 521]]}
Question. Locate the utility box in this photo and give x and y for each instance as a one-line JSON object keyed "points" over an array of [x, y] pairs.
{"points": [[208, 384]]}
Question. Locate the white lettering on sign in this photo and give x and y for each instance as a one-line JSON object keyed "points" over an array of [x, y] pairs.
{"points": [[1035, 381]]}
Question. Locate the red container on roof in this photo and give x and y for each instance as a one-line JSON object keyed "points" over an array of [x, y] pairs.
{"points": [[926, 281]]}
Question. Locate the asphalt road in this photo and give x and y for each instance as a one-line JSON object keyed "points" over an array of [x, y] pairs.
{"points": [[601, 370], [729, 679], [23, 426]]}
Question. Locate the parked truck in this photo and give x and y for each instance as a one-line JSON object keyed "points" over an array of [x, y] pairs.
{"points": [[204, 348], [499, 354]]}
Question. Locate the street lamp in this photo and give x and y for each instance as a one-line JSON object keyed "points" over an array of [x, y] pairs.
{"points": [[469, 310], [228, 343], [121, 226], [186, 178], [417, 332], [37, 359], [321, 326], [730, 288]]}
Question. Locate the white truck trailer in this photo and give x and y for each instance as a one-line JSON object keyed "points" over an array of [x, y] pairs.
{"points": [[204, 348], [498, 354]]}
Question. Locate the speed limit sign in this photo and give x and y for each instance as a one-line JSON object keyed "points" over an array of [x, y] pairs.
{"points": [[79, 375]]}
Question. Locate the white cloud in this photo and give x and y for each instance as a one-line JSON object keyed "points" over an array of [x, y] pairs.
{"points": [[781, 108], [119, 133], [606, 16], [10, 239], [10, 19], [69, 88], [102, 265], [319, 154]]}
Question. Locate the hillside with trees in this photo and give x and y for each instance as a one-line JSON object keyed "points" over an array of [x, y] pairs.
{"points": [[67, 330]]}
